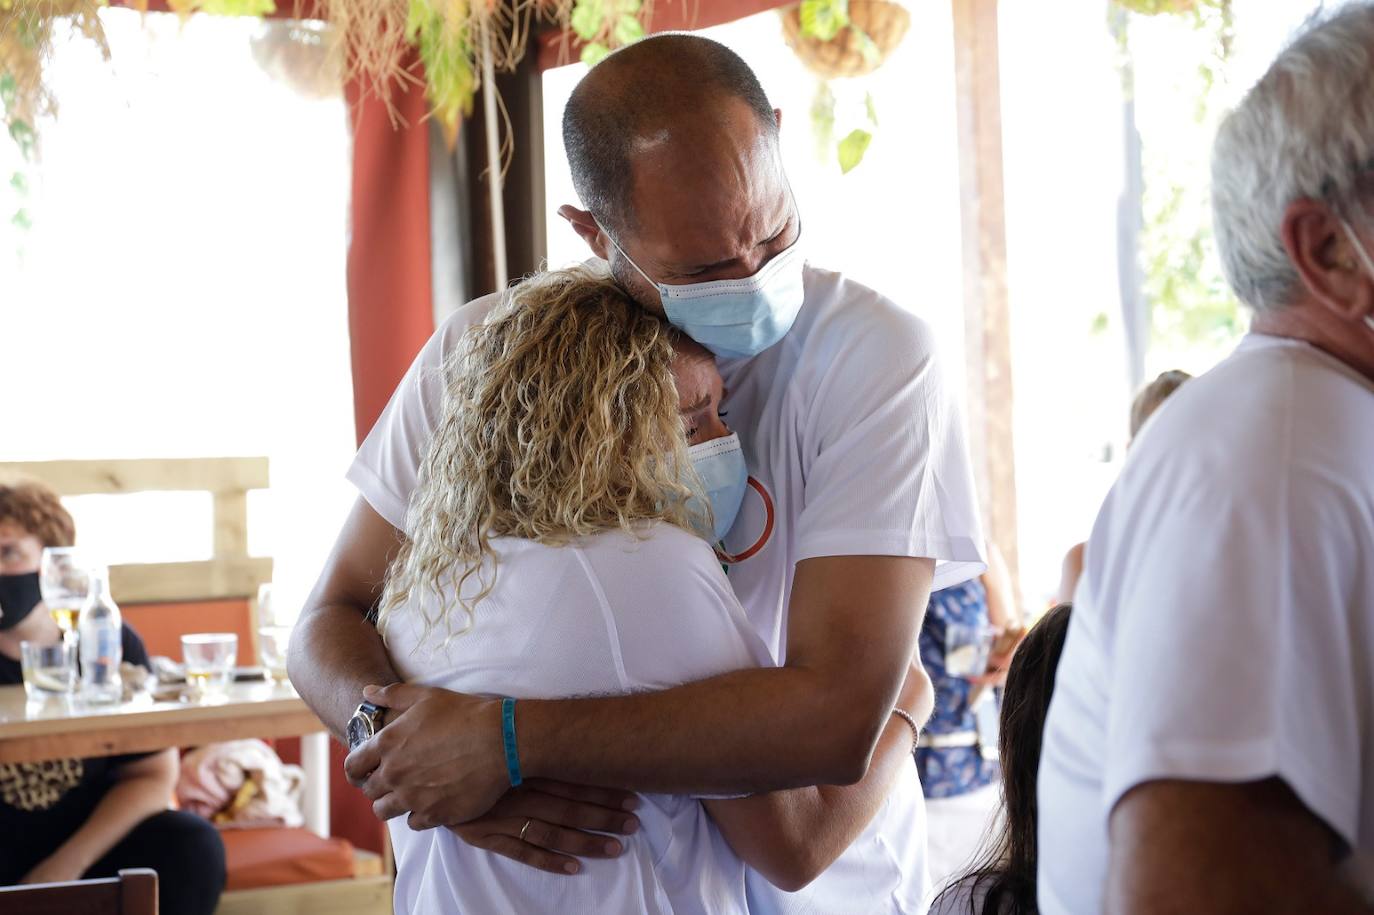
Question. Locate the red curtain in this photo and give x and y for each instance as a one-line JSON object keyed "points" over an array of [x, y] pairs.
{"points": [[390, 309]]}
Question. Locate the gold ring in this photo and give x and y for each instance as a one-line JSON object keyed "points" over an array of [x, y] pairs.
{"points": [[524, 828]]}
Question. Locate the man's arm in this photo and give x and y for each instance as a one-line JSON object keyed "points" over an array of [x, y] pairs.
{"points": [[851, 636], [1181, 846], [335, 650], [791, 837]]}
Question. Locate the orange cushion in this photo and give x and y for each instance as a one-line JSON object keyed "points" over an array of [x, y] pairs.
{"points": [[161, 626], [279, 857]]}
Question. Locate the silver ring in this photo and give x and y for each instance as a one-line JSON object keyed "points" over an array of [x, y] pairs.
{"points": [[524, 828]]}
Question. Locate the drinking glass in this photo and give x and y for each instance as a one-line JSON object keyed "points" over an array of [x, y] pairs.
{"points": [[209, 659], [49, 670], [65, 580], [272, 641], [967, 647]]}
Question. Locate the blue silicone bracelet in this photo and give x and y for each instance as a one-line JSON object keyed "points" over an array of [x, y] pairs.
{"points": [[508, 738]]}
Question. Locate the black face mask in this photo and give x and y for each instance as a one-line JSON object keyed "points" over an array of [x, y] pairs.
{"points": [[19, 594]]}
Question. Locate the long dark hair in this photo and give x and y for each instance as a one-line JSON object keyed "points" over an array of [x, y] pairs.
{"points": [[1004, 875]]}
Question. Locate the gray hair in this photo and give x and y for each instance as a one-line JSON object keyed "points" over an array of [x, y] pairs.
{"points": [[1305, 130]]}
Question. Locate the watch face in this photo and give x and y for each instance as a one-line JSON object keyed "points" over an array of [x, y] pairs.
{"points": [[359, 729]]}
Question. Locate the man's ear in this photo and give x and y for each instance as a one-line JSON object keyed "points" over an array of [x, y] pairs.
{"points": [[777, 117], [1326, 260], [587, 229]]}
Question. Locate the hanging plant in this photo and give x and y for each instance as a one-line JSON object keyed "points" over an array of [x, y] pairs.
{"points": [[26, 41], [604, 25], [216, 7], [844, 38], [841, 39], [1158, 7]]}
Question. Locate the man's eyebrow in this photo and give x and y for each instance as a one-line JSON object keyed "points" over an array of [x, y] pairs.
{"points": [[729, 261], [702, 268]]}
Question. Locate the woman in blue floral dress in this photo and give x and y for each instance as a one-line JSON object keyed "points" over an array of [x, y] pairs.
{"points": [[956, 758]]}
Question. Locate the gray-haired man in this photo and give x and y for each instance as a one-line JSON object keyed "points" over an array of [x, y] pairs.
{"points": [[1209, 742]]}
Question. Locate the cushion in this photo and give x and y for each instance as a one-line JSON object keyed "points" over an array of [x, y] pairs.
{"points": [[279, 857]]}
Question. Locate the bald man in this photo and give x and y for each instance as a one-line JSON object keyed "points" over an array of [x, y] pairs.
{"points": [[859, 500]]}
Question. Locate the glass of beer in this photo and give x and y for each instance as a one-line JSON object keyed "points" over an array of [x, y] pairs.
{"points": [[209, 658], [65, 581]]}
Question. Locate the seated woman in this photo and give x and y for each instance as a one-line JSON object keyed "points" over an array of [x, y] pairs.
{"points": [[559, 544], [1003, 882], [69, 819]]}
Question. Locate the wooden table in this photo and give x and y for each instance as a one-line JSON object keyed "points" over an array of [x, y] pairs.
{"points": [[58, 729]]}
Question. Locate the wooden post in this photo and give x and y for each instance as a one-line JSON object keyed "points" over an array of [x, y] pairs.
{"points": [[523, 190], [986, 312]]}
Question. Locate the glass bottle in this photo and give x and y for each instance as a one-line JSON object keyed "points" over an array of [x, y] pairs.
{"points": [[100, 643]]}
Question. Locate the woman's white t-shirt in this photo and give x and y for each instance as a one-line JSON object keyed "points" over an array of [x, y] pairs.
{"points": [[608, 615]]}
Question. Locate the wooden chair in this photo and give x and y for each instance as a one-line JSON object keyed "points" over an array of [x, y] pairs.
{"points": [[133, 892]]}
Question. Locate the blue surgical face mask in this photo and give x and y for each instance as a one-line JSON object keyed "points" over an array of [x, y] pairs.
{"points": [[736, 317], [719, 464]]}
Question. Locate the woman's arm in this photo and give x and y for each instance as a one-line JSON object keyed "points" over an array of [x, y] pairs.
{"points": [[790, 837], [142, 788]]}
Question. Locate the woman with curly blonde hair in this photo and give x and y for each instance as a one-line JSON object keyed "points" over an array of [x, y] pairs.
{"points": [[560, 543]]}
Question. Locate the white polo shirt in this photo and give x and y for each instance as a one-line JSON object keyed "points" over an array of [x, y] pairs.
{"points": [[1223, 629], [607, 616], [855, 446]]}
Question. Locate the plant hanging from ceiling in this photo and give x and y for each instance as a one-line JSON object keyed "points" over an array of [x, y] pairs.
{"points": [[27, 31], [843, 40]]}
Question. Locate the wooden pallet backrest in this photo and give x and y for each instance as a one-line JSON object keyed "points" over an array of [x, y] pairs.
{"points": [[163, 600]]}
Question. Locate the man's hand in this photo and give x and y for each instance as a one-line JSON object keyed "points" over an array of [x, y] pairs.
{"points": [[543, 823], [439, 756]]}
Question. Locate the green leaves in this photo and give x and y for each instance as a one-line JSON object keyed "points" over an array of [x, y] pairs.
{"points": [[628, 30], [604, 25], [588, 18], [823, 19], [852, 148], [24, 137], [823, 119], [594, 53]]}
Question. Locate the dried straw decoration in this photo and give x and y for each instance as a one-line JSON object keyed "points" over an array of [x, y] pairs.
{"points": [[26, 43]]}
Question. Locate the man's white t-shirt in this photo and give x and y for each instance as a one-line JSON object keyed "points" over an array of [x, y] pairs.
{"points": [[854, 445], [608, 615], [1223, 629]]}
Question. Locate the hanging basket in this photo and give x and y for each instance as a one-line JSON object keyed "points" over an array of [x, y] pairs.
{"points": [[883, 22], [1158, 7]]}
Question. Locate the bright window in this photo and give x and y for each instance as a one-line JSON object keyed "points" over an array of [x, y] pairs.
{"points": [[181, 290]]}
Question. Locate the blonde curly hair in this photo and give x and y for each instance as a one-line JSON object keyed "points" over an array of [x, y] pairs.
{"points": [[560, 420]]}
